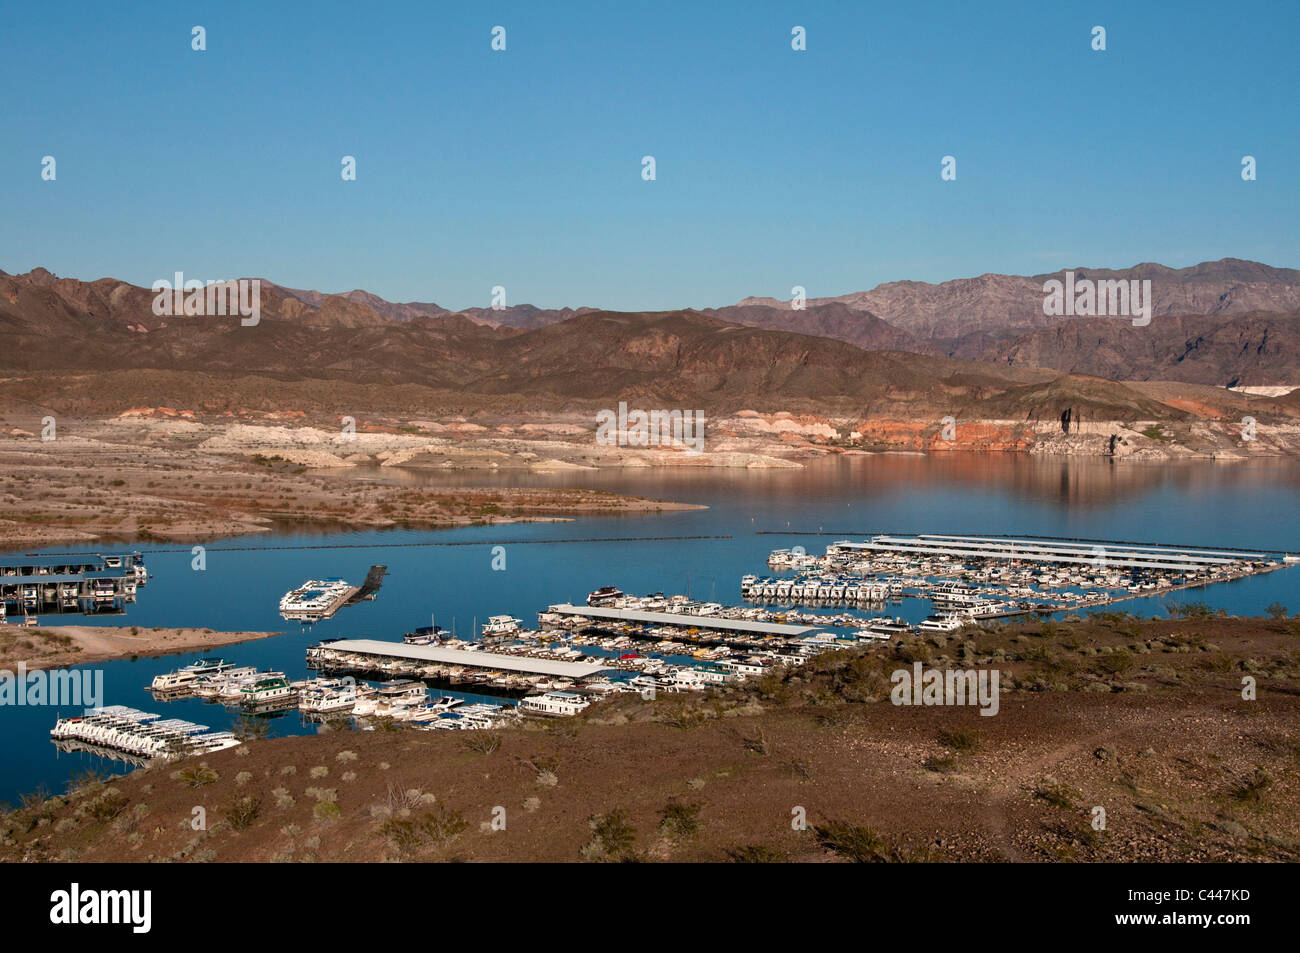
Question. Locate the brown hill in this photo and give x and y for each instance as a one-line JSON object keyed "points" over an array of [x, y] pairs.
{"points": [[834, 320], [1142, 716], [1250, 349], [953, 309], [676, 358], [524, 316]]}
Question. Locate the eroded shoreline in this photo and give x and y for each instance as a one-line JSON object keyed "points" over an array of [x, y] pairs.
{"points": [[58, 646]]}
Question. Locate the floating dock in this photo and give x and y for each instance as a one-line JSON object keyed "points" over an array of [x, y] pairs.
{"points": [[987, 577], [319, 599], [60, 584], [369, 590], [139, 734], [1059, 551]]}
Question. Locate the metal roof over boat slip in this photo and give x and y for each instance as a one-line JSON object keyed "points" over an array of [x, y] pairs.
{"points": [[468, 657], [680, 619], [1114, 555]]}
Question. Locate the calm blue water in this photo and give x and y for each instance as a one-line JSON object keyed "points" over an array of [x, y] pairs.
{"points": [[1255, 505]]}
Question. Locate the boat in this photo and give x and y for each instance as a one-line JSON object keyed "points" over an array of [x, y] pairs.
{"points": [[327, 695], [432, 709], [219, 684], [501, 625], [883, 628], [391, 698], [173, 681], [941, 623], [424, 635], [207, 666], [315, 599], [266, 689], [554, 704], [604, 596]]}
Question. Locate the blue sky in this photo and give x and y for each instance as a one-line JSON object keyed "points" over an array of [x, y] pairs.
{"points": [[523, 168]]}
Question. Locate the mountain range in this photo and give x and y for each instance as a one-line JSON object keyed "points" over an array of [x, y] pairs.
{"points": [[981, 342]]}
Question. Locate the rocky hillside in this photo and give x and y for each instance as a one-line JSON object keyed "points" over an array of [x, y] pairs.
{"points": [[1258, 348], [995, 303], [53, 323], [1141, 717], [676, 358]]}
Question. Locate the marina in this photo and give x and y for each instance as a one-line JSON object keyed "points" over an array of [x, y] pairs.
{"points": [[582, 652], [61, 585], [989, 577], [140, 734], [1247, 508]]}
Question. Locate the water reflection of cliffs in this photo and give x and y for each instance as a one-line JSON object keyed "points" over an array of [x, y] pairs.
{"points": [[1073, 481], [1078, 482]]}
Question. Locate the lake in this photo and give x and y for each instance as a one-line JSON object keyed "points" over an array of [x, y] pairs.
{"points": [[448, 575]]}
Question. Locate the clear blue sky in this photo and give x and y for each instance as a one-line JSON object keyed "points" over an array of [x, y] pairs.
{"points": [[522, 168]]}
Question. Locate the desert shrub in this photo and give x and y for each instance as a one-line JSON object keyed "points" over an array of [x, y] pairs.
{"points": [[1117, 663], [1191, 610], [482, 742], [961, 740], [242, 812], [435, 828], [861, 845], [683, 714], [195, 775], [680, 819], [1055, 793], [107, 805], [612, 837], [1251, 790], [86, 782]]}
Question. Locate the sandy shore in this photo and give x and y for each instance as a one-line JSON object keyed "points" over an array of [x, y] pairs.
{"points": [[172, 480], [159, 474], [58, 645]]}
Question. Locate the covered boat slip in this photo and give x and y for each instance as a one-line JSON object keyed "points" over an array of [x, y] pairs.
{"points": [[470, 658], [1071, 552], [47, 566], [56, 584], [681, 620]]}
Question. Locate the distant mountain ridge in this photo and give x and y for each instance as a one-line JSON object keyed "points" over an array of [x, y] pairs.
{"points": [[61, 327], [1225, 322], [993, 302]]}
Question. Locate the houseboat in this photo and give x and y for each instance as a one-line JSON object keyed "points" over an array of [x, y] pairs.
{"points": [[604, 596], [554, 703]]}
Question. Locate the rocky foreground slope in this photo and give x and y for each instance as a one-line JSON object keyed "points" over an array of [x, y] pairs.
{"points": [[1142, 719]]}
